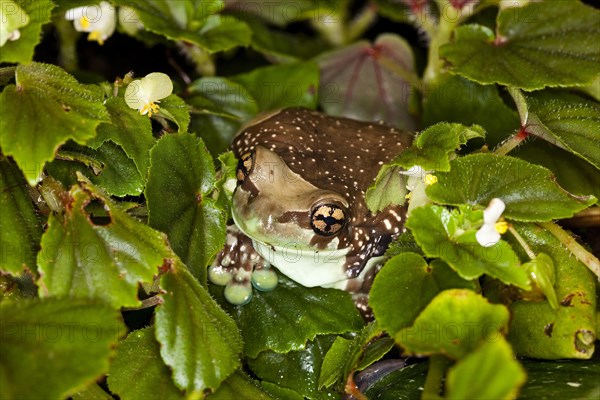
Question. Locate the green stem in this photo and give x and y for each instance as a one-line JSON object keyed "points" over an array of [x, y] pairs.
{"points": [[522, 242], [587, 258], [509, 145], [68, 44], [359, 24], [433, 383]]}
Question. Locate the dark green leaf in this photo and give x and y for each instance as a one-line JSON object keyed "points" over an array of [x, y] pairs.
{"points": [[403, 384], [193, 21], [20, 228], [92, 392], [439, 233], [284, 12], [181, 178], [539, 331], [297, 370], [369, 82], [219, 108], [529, 48], [454, 323], [33, 14], [199, 341], [499, 375], [45, 100], [138, 372], [453, 98], [104, 260], [52, 348], [240, 386], [128, 129], [572, 173], [284, 319], [547, 380], [108, 167], [405, 286], [478, 178], [280, 86], [433, 148]]}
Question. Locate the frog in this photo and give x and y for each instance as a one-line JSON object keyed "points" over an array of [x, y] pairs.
{"points": [[299, 204]]}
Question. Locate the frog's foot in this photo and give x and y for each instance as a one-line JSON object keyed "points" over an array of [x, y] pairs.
{"points": [[239, 267]]}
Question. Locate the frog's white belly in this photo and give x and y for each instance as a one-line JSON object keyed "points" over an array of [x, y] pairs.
{"points": [[311, 267]]}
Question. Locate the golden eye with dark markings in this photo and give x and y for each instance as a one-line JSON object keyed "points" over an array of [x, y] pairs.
{"points": [[244, 168], [328, 219]]}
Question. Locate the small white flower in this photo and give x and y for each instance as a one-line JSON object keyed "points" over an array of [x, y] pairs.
{"points": [[98, 20], [417, 182], [12, 18], [143, 94], [489, 233]]}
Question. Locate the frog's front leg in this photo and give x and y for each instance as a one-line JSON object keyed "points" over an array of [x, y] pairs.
{"points": [[239, 267]]}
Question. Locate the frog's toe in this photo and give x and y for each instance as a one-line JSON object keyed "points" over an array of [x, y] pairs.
{"points": [[238, 292], [219, 275], [264, 279]]}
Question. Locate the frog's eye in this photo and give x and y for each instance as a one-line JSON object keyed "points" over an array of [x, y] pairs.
{"points": [[244, 167], [328, 219]]}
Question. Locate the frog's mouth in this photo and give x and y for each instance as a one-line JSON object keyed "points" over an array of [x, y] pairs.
{"points": [[309, 267]]}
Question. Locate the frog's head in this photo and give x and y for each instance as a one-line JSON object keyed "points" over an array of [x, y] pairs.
{"points": [[302, 178]]}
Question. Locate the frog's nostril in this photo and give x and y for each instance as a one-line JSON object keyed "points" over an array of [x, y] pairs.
{"points": [[328, 219]]}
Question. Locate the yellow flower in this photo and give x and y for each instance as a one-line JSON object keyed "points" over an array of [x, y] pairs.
{"points": [[98, 20], [489, 233], [143, 94]]}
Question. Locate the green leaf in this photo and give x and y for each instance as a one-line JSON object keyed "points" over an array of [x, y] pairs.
{"points": [[240, 386], [405, 243], [529, 49], [108, 167], [403, 384], [219, 108], [181, 178], [454, 323], [283, 12], [198, 340], [572, 173], [81, 258], [262, 321], [405, 286], [389, 188], [541, 271], [193, 21], [478, 178], [138, 371], [433, 148], [563, 119], [452, 98], [20, 228], [43, 110], [499, 375], [225, 185], [284, 47], [92, 392], [440, 234], [348, 355], [570, 379], [128, 129], [297, 370], [175, 109], [568, 332], [280, 86], [29, 17], [51, 348], [369, 81]]}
